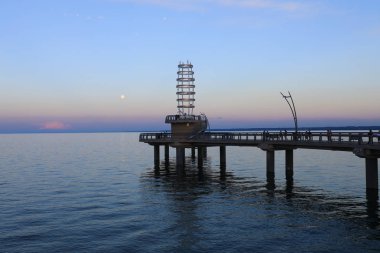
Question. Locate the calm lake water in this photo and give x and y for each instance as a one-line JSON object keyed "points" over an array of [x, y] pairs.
{"points": [[100, 193]]}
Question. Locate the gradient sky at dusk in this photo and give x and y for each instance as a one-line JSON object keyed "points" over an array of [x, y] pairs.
{"points": [[64, 64]]}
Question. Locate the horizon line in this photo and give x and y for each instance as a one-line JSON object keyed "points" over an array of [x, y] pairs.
{"points": [[63, 131]]}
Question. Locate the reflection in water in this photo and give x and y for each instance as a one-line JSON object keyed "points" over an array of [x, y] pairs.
{"points": [[271, 186], [185, 189], [372, 208], [289, 188]]}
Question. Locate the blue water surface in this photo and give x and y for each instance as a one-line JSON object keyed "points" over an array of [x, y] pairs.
{"points": [[101, 193]]}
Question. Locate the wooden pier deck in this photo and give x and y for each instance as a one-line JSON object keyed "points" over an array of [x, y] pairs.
{"points": [[363, 144]]}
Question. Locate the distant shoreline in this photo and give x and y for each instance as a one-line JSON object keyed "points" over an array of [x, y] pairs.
{"points": [[325, 128]]}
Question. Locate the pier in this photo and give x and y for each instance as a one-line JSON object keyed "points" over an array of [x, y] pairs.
{"points": [[189, 131], [363, 144]]}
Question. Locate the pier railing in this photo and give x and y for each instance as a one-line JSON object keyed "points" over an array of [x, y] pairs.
{"points": [[357, 138], [178, 118]]}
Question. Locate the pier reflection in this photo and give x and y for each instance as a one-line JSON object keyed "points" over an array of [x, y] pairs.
{"points": [[373, 208], [187, 193], [289, 188], [271, 184]]}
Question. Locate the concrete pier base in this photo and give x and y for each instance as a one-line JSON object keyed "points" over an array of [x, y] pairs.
{"points": [[156, 155], [289, 164], [270, 163], [371, 173]]}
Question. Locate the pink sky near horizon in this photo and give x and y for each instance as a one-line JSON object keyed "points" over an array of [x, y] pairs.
{"points": [[62, 124]]}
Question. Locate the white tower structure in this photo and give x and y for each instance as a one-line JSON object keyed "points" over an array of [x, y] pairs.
{"points": [[185, 124], [185, 89]]}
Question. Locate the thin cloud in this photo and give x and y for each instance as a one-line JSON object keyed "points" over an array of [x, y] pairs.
{"points": [[55, 125], [264, 4], [288, 6], [187, 5]]}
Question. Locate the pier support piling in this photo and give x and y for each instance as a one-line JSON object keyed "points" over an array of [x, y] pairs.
{"points": [[166, 153], [200, 157], [289, 164], [156, 155], [371, 173], [222, 156], [270, 163], [204, 152], [180, 158], [193, 153]]}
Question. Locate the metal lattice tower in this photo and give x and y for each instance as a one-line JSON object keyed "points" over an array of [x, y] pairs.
{"points": [[185, 89]]}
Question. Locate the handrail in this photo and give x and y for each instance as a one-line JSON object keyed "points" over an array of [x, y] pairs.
{"points": [[184, 117], [372, 138]]}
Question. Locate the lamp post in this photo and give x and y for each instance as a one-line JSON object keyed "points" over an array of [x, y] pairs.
{"points": [[292, 108]]}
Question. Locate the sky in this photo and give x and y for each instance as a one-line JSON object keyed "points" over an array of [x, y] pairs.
{"points": [[110, 65]]}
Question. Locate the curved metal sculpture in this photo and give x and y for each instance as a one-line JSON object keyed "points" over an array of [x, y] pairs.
{"points": [[292, 108]]}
